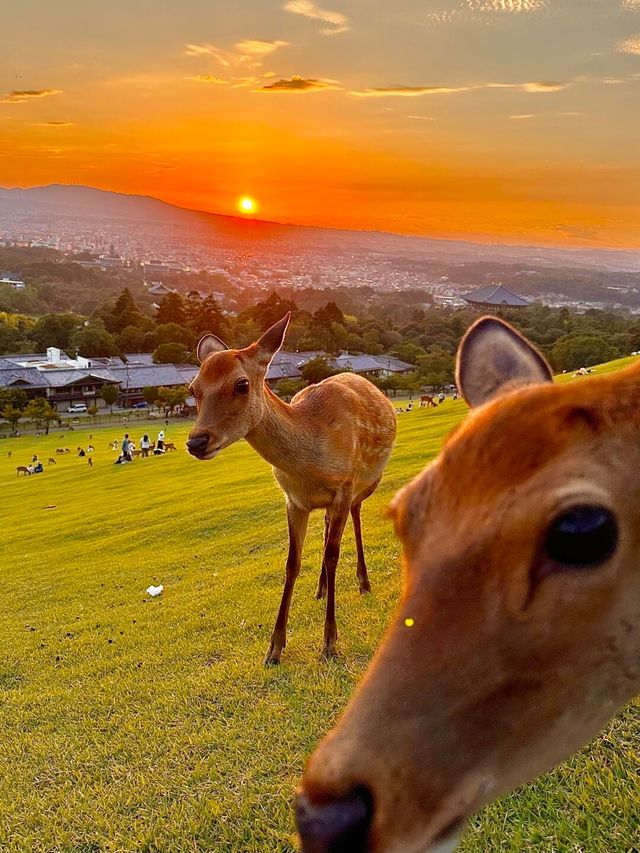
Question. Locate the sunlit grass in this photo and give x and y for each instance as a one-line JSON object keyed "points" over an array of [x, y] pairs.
{"points": [[137, 724]]}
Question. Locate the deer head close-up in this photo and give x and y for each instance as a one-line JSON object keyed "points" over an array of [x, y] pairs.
{"points": [[518, 633]]}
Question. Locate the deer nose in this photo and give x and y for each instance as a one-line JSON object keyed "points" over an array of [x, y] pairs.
{"points": [[197, 444], [336, 826]]}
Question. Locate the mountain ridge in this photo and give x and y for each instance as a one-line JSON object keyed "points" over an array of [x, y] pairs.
{"points": [[66, 200]]}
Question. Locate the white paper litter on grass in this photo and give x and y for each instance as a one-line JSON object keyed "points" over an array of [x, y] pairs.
{"points": [[154, 590]]}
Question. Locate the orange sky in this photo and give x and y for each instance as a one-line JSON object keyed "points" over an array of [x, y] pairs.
{"points": [[506, 120]]}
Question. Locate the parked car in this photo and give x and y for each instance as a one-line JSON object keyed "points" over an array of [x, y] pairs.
{"points": [[76, 408], [140, 405]]}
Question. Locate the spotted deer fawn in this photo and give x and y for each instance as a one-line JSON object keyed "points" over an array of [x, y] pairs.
{"points": [[518, 633], [328, 449]]}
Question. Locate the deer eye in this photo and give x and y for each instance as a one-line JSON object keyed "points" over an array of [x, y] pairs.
{"points": [[242, 386], [582, 536]]}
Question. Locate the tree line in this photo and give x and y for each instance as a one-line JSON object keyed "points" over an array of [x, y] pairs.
{"points": [[421, 334]]}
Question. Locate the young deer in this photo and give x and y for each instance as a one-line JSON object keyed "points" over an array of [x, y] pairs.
{"points": [[328, 449], [518, 634]]}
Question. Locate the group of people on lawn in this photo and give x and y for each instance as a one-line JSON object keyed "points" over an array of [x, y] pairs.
{"points": [[146, 446]]}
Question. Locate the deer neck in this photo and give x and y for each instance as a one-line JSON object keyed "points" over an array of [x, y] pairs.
{"points": [[278, 436]]}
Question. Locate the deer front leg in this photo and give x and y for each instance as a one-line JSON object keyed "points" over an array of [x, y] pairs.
{"points": [[338, 515], [298, 520], [322, 580]]}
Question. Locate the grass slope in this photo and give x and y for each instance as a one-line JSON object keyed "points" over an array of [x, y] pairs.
{"points": [[137, 724]]}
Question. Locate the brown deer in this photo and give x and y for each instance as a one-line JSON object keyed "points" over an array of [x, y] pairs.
{"points": [[518, 633], [328, 449], [22, 469], [428, 400]]}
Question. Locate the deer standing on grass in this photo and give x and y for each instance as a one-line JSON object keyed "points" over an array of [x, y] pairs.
{"points": [[328, 449], [518, 633]]}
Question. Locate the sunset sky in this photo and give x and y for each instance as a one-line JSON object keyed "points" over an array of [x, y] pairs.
{"points": [[498, 120]]}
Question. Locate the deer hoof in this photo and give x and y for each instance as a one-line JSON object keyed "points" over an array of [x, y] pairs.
{"points": [[329, 653], [273, 656], [321, 592], [365, 587]]}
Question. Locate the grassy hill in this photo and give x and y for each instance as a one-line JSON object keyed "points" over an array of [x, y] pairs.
{"points": [[139, 724]]}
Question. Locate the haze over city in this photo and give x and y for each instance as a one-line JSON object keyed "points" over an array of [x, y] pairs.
{"points": [[511, 121]]}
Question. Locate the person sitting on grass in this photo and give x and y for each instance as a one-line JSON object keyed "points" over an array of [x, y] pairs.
{"points": [[81, 452]]}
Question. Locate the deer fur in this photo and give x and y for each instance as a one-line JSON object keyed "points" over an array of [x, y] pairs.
{"points": [[328, 449], [502, 660]]}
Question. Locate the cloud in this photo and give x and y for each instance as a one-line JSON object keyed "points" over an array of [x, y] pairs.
{"points": [[544, 115], [21, 97], [208, 78], [505, 5], [544, 87], [630, 45], [445, 16], [422, 118], [417, 91], [299, 84], [248, 53], [336, 21], [409, 91], [257, 47], [55, 124]]}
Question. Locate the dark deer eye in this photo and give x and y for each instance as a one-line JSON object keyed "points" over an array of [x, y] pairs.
{"points": [[242, 386], [582, 536]]}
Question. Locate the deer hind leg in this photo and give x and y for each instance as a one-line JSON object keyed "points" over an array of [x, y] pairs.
{"points": [[321, 591], [338, 515], [298, 520], [361, 573]]}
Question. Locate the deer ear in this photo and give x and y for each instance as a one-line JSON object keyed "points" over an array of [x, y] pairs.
{"points": [[492, 356], [269, 344], [208, 345]]}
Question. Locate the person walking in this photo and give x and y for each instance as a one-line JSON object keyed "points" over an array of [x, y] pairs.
{"points": [[160, 441], [145, 444]]}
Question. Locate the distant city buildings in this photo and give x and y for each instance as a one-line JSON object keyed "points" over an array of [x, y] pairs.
{"points": [[66, 381]]}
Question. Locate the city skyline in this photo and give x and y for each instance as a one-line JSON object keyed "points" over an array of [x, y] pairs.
{"points": [[507, 121]]}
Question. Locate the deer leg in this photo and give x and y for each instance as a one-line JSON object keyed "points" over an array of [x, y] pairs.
{"points": [[361, 573], [338, 516], [322, 580], [297, 520]]}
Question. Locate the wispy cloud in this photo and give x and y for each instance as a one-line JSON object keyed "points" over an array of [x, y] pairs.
{"points": [[524, 116], [257, 47], [55, 124], [536, 87], [300, 84], [21, 97], [421, 118], [505, 5], [409, 91], [543, 86], [248, 53], [630, 45], [208, 78], [336, 22]]}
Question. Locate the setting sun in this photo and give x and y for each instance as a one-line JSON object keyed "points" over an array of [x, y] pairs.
{"points": [[247, 204]]}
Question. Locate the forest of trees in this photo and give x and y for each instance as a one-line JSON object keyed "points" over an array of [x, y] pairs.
{"points": [[425, 337]]}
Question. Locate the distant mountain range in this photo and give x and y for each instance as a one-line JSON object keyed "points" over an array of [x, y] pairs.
{"points": [[57, 202]]}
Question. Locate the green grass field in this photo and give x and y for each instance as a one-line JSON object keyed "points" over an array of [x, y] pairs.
{"points": [[138, 724]]}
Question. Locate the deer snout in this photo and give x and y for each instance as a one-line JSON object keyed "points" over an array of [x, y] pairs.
{"points": [[197, 444], [336, 826]]}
